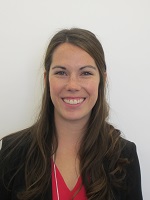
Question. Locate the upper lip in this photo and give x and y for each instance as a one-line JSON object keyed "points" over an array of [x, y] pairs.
{"points": [[73, 98]]}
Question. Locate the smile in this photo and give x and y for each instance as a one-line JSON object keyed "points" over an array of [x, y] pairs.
{"points": [[73, 101]]}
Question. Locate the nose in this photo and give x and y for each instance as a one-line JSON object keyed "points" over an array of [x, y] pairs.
{"points": [[73, 84]]}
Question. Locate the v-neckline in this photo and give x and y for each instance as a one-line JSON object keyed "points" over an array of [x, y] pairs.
{"points": [[77, 184]]}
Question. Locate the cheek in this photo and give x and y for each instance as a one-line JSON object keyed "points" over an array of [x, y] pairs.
{"points": [[93, 88], [95, 93], [53, 87]]}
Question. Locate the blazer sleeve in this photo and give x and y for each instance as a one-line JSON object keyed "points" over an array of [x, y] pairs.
{"points": [[5, 194], [133, 181], [10, 182]]}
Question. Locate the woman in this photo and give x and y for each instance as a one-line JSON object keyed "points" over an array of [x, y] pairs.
{"points": [[71, 152]]}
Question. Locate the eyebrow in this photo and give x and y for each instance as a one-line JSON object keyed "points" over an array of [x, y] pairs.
{"points": [[57, 66], [81, 68], [88, 66]]}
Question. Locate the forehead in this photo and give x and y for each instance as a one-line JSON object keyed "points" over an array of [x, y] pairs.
{"points": [[70, 54]]}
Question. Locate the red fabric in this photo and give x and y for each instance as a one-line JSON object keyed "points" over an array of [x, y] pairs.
{"points": [[64, 191]]}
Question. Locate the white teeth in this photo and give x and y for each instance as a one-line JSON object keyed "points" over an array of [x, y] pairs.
{"points": [[73, 101]]}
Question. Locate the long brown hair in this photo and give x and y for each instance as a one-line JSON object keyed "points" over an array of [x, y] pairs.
{"points": [[101, 166]]}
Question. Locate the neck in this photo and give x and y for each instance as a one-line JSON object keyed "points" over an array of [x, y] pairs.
{"points": [[69, 133]]}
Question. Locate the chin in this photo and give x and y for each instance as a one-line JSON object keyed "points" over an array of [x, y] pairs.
{"points": [[76, 117]]}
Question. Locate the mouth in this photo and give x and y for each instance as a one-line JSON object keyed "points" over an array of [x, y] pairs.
{"points": [[73, 101]]}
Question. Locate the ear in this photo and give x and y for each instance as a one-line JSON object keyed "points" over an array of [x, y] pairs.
{"points": [[45, 75], [105, 77]]}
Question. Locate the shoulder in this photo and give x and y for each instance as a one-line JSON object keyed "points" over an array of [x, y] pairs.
{"points": [[129, 148], [14, 147], [18, 139], [129, 151]]}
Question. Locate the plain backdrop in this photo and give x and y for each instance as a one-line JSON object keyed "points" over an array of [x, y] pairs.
{"points": [[122, 26]]}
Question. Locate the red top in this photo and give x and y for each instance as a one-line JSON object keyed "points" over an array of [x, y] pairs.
{"points": [[64, 192]]}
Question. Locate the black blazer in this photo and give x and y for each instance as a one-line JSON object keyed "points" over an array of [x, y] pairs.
{"points": [[132, 180]]}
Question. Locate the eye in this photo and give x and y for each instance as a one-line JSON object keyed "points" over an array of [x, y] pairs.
{"points": [[61, 73], [86, 73]]}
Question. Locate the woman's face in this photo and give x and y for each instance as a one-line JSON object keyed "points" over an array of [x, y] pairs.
{"points": [[74, 80]]}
